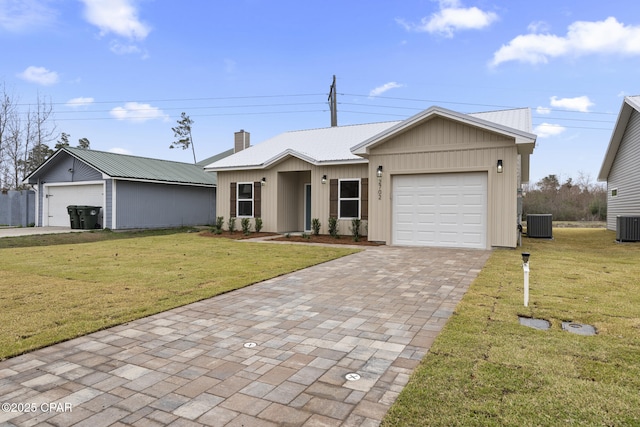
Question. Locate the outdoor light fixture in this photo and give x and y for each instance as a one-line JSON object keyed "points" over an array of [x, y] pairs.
{"points": [[70, 170], [379, 172], [500, 166], [525, 268], [324, 179], [264, 180]]}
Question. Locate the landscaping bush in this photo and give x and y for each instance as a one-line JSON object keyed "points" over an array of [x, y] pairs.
{"points": [[217, 228], [258, 225], [232, 225], [355, 229], [333, 227], [315, 225], [246, 226]]}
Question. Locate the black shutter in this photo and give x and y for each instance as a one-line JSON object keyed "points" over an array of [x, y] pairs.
{"points": [[234, 195], [364, 198], [257, 208], [333, 198]]}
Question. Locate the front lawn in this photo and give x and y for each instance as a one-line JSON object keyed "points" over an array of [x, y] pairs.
{"points": [[485, 369], [53, 293]]}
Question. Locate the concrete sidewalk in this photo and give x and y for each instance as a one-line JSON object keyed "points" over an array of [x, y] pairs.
{"points": [[32, 231], [331, 345]]}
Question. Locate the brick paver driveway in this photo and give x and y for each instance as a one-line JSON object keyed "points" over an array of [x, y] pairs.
{"points": [[287, 351]]}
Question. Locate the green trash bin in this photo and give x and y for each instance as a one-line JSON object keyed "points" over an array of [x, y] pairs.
{"points": [[88, 217], [74, 218]]}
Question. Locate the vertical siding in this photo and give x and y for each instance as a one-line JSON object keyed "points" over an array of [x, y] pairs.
{"points": [[625, 175], [283, 194], [107, 212], [443, 146], [147, 205]]}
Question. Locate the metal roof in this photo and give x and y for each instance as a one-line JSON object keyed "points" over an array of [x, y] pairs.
{"points": [[517, 118], [349, 144], [629, 105], [133, 168], [316, 146]]}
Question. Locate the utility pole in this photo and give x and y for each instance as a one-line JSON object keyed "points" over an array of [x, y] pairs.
{"points": [[333, 103]]}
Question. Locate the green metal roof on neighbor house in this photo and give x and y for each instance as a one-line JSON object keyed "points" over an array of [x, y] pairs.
{"points": [[131, 168]]}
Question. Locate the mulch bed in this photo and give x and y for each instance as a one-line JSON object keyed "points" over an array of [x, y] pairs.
{"points": [[321, 238]]}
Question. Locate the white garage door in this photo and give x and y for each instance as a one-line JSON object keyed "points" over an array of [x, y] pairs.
{"points": [[448, 210], [57, 198]]}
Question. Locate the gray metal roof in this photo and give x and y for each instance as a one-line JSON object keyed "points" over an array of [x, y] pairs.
{"points": [[135, 168], [316, 146]]}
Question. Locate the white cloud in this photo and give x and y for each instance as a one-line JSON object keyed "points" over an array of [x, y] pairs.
{"points": [[39, 75], [543, 110], [137, 112], [385, 87], [452, 17], [547, 130], [582, 38], [580, 103], [119, 17], [79, 102], [538, 27], [25, 15], [118, 150]]}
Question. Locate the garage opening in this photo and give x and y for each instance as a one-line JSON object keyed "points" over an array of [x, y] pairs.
{"points": [[58, 197], [440, 210]]}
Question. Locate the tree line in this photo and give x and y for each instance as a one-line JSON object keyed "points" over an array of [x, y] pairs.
{"points": [[27, 137], [579, 200]]}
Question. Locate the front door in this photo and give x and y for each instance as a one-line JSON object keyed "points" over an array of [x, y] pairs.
{"points": [[307, 207]]}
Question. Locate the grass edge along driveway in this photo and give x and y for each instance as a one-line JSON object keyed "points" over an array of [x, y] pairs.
{"points": [[485, 369], [50, 294]]}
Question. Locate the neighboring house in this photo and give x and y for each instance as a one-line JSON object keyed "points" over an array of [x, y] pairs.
{"points": [[620, 166], [133, 192], [439, 178]]}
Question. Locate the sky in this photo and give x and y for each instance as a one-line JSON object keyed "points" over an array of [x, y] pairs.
{"points": [[120, 72]]}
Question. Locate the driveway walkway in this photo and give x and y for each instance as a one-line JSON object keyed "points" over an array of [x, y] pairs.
{"points": [[331, 345], [30, 231]]}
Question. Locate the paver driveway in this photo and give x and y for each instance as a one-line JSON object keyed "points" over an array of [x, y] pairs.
{"points": [[275, 353]]}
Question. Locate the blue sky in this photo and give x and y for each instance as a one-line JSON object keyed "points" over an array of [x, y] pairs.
{"points": [[120, 72]]}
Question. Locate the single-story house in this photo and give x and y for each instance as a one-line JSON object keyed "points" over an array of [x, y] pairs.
{"points": [[620, 166], [133, 192], [439, 178]]}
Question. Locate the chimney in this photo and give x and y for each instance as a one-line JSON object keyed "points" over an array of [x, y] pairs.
{"points": [[241, 140]]}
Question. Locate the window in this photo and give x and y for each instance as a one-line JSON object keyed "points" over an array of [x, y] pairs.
{"points": [[614, 192], [349, 199], [245, 199]]}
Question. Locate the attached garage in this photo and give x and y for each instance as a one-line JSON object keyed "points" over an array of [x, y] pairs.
{"points": [[58, 196], [441, 210]]}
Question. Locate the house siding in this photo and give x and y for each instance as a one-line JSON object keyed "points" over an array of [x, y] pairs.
{"points": [[282, 197], [444, 146], [625, 175], [162, 205]]}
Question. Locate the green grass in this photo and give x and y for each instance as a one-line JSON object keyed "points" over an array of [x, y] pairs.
{"points": [[485, 369], [53, 293]]}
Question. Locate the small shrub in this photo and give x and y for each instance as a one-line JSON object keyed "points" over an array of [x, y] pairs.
{"points": [[258, 225], [355, 229], [315, 225], [246, 226], [287, 235], [232, 225], [333, 227], [306, 236], [219, 225]]}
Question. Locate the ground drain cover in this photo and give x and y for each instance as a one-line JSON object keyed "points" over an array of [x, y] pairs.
{"points": [[250, 345], [352, 377], [541, 324], [578, 328]]}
